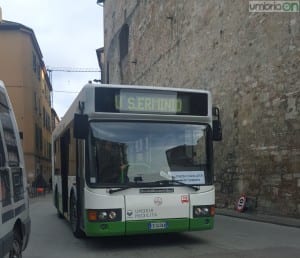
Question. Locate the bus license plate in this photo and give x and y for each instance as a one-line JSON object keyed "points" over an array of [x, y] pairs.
{"points": [[158, 225]]}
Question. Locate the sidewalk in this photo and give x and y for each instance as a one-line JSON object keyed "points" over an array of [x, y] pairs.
{"points": [[285, 221]]}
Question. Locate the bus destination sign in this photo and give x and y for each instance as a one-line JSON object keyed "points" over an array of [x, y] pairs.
{"points": [[150, 101]]}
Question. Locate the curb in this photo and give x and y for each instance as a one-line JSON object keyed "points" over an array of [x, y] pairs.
{"points": [[284, 221]]}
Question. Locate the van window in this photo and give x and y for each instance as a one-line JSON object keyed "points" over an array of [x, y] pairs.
{"points": [[18, 184], [2, 154], [8, 131], [4, 188]]}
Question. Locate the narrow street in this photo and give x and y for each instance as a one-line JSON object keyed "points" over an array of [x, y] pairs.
{"points": [[231, 237]]}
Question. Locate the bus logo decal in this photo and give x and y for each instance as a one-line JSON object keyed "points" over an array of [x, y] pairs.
{"points": [[184, 198], [158, 201], [129, 213]]}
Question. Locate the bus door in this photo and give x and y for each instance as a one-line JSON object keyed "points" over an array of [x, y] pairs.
{"points": [[64, 146], [80, 183]]}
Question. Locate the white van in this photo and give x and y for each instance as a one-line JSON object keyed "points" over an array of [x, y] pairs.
{"points": [[14, 212]]}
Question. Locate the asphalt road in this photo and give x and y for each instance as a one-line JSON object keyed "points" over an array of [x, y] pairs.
{"points": [[231, 237]]}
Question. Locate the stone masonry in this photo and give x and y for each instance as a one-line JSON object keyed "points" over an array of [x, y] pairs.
{"points": [[249, 61]]}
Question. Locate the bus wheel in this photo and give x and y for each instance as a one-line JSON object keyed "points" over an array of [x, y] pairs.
{"points": [[74, 218], [16, 250]]}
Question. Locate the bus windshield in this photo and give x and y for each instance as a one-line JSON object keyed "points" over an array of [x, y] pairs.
{"points": [[143, 153]]}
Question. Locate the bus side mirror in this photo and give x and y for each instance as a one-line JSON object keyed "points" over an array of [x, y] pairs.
{"points": [[217, 127], [217, 131], [81, 126]]}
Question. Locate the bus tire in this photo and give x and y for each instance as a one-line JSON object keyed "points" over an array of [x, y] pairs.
{"points": [[16, 249], [56, 203], [74, 218]]}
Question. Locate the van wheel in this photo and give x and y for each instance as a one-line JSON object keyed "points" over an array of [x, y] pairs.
{"points": [[16, 250], [74, 218]]}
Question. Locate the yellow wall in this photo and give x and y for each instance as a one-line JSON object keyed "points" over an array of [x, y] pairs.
{"points": [[28, 95]]}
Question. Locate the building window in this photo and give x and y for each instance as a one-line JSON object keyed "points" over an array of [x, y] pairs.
{"points": [[35, 101], [34, 66], [38, 139], [44, 117], [123, 41], [49, 150], [39, 72]]}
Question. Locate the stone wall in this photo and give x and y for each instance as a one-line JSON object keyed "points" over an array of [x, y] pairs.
{"points": [[250, 62]]}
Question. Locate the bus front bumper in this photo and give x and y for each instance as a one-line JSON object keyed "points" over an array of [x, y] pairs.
{"points": [[135, 227]]}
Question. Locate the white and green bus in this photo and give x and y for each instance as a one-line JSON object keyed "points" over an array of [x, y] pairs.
{"points": [[136, 160]]}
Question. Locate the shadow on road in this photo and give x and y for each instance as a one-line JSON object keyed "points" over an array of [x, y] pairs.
{"points": [[142, 241]]}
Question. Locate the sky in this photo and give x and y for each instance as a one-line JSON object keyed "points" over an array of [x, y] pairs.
{"points": [[68, 33]]}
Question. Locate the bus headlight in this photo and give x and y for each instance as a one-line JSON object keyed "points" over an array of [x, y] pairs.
{"points": [[112, 215], [102, 215], [203, 211], [107, 215]]}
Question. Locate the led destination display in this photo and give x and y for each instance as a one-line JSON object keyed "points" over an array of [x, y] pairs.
{"points": [[150, 101]]}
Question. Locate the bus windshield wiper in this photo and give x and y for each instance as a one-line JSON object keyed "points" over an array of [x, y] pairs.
{"points": [[119, 189], [122, 188], [164, 182], [172, 181]]}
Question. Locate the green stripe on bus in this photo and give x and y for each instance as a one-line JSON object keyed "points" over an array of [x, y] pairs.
{"points": [[202, 223], [104, 228], [143, 226]]}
